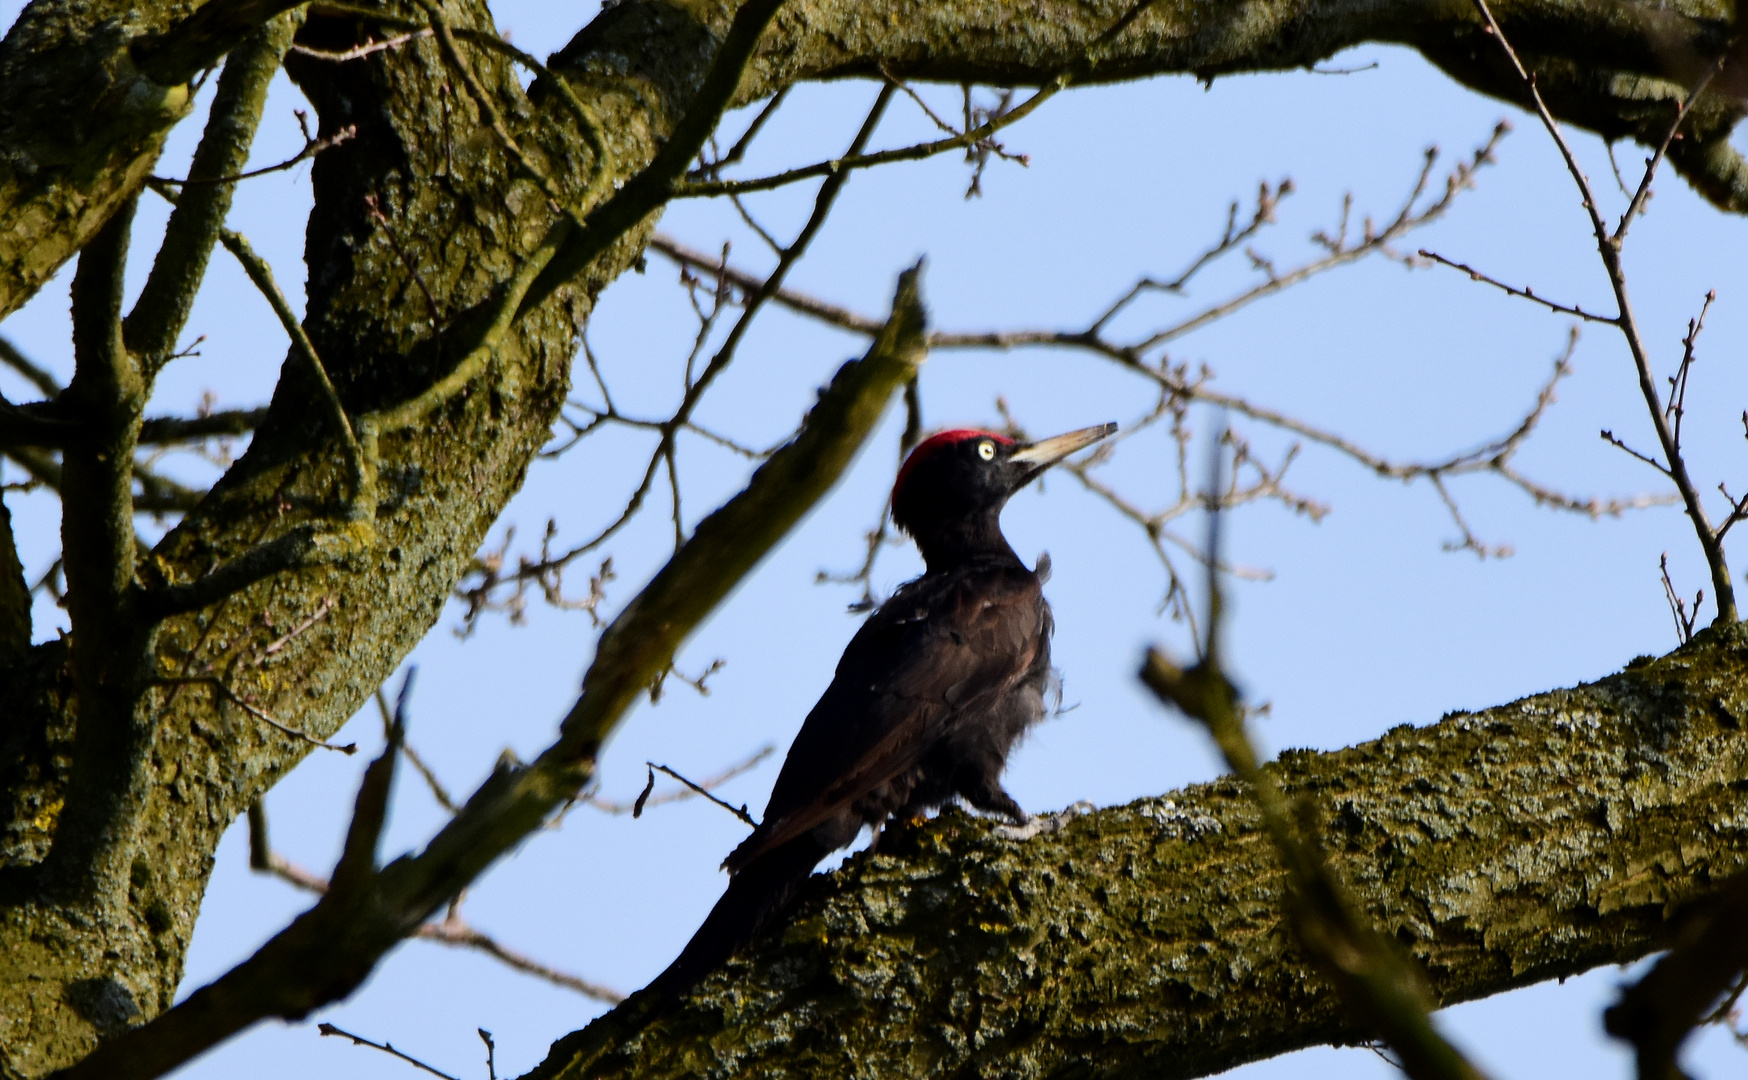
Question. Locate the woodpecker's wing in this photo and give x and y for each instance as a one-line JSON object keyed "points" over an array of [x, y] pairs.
{"points": [[939, 647]]}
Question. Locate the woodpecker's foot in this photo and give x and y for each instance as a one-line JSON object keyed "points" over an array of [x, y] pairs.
{"points": [[1044, 823]]}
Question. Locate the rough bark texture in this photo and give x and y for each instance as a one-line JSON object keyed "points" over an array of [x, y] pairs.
{"points": [[1527, 842], [85, 951]]}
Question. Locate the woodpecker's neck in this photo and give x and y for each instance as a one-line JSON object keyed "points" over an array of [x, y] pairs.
{"points": [[954, 542]]}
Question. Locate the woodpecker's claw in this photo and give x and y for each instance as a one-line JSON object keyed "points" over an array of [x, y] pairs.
{"points": [[1039, 824]]}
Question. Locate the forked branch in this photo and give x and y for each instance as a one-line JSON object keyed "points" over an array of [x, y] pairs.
{"points": [[1609, 245]]}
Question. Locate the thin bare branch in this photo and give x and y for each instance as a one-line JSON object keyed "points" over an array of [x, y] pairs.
{"points": [[388, 1048], [698, 789], [1636, 204], [1525, 292], [360, 51], [1608, 247], [39, 377], [174, 429], [262, 276], [709, 169], [454, 932], [647, 800], [221, 689], [312, 146]]}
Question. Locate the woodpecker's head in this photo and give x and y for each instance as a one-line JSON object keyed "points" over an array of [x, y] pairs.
{"points": [[951, 489]]}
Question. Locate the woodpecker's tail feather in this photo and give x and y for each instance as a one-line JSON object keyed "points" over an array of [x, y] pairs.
{"points": [[756, 895]]}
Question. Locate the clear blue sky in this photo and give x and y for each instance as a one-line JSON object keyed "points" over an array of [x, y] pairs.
{"points": [[1365, 624]]}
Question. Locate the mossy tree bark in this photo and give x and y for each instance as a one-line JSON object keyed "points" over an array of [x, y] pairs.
{"points": [[98, 896], [1527, 842]]}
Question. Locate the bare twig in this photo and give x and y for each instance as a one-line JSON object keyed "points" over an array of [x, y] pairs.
{"points": [[1636, 204], [700, 789], [438, 791], [312, 146], [394, 242], [545, 573], [291, 635], [388, 1048], [39, 377], [264, 860], [491, 1054], [174, 429], [1684, 619], [646, 799], [262, 276], [452, 930], [221, 689], [1525, 292], [713, 166], [359, 51]]}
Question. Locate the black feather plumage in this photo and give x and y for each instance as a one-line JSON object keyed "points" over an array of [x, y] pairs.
{"points": [[928, 700]]}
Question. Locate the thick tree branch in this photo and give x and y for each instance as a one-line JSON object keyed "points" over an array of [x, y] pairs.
{"points": [[98, 551], [80, 127], [1503, 847]]}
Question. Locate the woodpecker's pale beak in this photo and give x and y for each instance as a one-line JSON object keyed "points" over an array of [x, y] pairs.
{"points": [[1041, 455]]}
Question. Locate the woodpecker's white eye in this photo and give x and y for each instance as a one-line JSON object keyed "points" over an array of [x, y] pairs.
{"points": [[986, 450]]}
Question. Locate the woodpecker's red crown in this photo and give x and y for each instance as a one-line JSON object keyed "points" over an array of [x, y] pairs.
{"points": [[950, 492], [936, 443]]}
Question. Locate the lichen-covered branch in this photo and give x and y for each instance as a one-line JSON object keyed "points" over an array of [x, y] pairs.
{"points": [[1502, 847], [105, 399], [167, 297]]}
